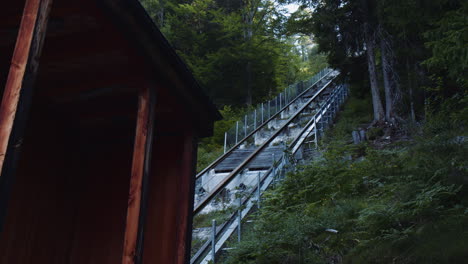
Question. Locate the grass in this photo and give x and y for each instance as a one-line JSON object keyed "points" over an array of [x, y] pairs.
{"points": [[205, 220]]}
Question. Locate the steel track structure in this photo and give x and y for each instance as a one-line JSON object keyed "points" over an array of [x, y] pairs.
{"points": [[321, 116], [265, 123], [227, 229]]}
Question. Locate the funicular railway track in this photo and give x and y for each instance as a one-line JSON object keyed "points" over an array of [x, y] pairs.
{"points": [[251, 134], [238, 153], [319, 107]]}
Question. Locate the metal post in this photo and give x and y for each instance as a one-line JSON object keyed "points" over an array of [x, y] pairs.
{"points": [[245, 126], [255, 119], [262, 114], [340, 95], [213, 240], [274, 168], [322, 126], [269, 107], [285, 96], [315, 130], [225, 141], [336, 100], [280, 100], [239, 220], [237, 130], [318, 127], [337, 105], [332, 109], [258, 190], [327, 115], [276, 105]]}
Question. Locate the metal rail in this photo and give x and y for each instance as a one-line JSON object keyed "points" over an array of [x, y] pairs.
{"points": [[240, 167], [242, 141], [227, 228], [312, 124]]}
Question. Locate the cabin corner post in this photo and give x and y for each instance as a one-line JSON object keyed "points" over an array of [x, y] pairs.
{"points": [[138, 190], [18, 93], [187, 186]]}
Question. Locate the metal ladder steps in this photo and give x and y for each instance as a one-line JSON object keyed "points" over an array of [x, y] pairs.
{"points": [[263, 160]]}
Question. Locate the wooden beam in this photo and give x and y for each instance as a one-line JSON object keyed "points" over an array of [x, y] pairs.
{"points": [[16, 101], [186, 198], [137, 200], [146, 175]]}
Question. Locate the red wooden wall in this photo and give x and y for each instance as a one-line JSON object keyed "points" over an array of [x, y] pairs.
{"points": [[170, 198], [69, 199], [68, 202]]}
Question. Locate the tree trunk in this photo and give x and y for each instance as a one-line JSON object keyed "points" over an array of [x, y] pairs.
{"points": [[248, 72], [161, 17], [387, 82], [304, 53], [410, 89], [376, 101], [248, 35]]}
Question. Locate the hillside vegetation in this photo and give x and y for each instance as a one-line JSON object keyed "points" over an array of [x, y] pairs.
{"points": [[392, 199], [400, 196]]}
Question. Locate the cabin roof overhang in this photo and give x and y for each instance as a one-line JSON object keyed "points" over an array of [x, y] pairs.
{"points": [[108, 49], [139, 26]]}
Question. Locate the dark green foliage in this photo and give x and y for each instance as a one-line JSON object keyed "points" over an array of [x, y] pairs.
{"points": [[206, 156], [211, 37], [426, 44], [357, 113], [406, 203], [448, 43], [211, 148], [403, 203], [205, 220]]}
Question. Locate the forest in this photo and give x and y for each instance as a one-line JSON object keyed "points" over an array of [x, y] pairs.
{"points": [[400, 196]]}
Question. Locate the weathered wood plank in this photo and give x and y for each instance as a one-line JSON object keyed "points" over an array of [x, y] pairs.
{"points": [[186, 196], [16, 101], [146, 174], [139, 176]]}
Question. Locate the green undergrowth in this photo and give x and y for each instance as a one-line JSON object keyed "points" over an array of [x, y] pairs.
{"points": [[204, 220], [209, 149], [404, 203]]}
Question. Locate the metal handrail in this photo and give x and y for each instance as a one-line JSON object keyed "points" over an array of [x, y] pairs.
{"points": [[223, 156], [230, 177], [221, 230], [306, 127]]}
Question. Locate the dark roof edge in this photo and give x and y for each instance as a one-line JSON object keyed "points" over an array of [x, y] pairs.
{"points": [[142, 18]]}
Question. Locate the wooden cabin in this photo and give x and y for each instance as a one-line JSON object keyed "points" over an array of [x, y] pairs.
{"points": [[99, 123]]}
